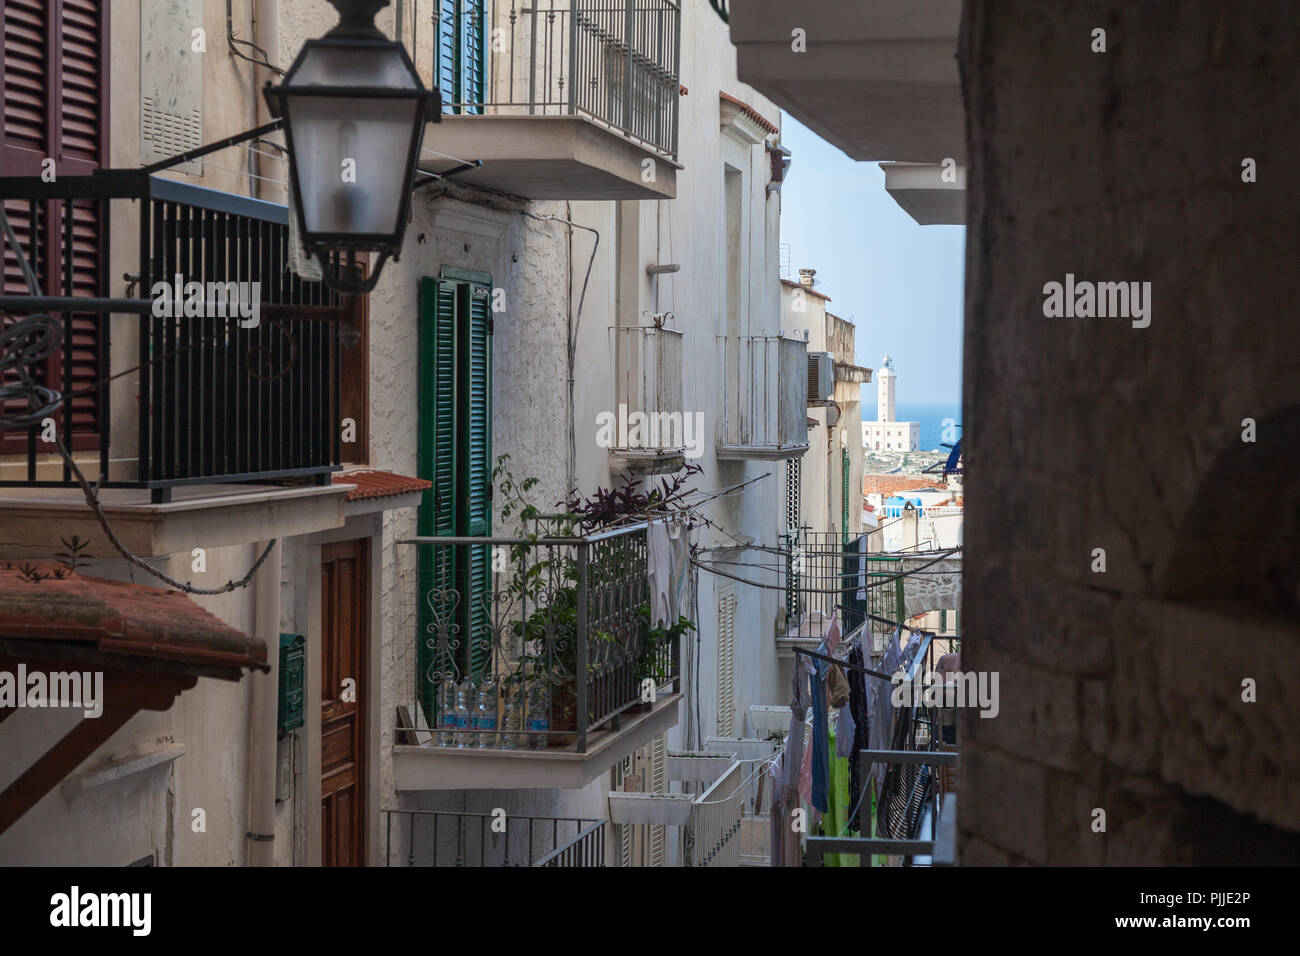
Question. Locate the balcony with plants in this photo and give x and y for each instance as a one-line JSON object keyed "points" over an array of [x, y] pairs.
{"points": [[534, 660]]}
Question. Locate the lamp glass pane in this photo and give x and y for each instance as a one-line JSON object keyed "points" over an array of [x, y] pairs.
{"points": [[375, 134]]}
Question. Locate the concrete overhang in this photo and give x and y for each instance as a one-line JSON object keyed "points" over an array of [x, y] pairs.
{"points": [[424, 767], [853, 374], [760, 452], [549, 157], [878, 78], [208, 516], [921, 189]]}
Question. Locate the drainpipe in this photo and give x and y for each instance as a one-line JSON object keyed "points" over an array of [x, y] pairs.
{"points": [[266, 34], [262, 717]]}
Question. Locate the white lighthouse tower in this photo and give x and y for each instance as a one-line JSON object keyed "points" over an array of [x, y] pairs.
{"points": [[885, 391], [887, 433]]}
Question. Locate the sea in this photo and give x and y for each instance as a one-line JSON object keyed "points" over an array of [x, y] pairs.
{"points": [[929, 417]]}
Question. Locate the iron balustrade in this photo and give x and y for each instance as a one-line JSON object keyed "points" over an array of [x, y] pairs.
{"points": [[614, 61], [648, 380], [452, 838], [216, 402], [765, 390], [556, 630]]}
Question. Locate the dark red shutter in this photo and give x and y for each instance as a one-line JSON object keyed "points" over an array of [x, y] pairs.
{"points": [[55, 105]]}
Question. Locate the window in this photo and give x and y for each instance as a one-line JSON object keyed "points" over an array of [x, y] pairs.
{"points": [[455, 449], [462, 70], [55, 91]]}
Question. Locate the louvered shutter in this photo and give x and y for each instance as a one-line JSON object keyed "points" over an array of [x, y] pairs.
{"points": [[726, 662], [447, 51], [437, 463], [462, 71], [474, 495], [657, 771], [472, 60], [55, 99]]}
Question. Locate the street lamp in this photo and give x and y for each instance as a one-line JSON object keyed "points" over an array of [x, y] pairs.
{"points": [[354, 111]]}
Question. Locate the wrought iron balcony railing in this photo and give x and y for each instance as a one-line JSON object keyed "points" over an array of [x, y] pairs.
{"points": [[529, 643], [614, 61], [765, 382], [648, 382], [448, 838], [218, 400]]}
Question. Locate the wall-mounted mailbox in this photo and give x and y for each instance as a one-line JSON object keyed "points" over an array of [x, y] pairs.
{"points": [[293, 679]]}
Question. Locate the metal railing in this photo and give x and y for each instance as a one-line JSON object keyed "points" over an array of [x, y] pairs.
{"points": [[525, 643], [648, 380], [450, 838], [614, 61], [765, 382], [587, 848], [216, 401], [713, 838]]}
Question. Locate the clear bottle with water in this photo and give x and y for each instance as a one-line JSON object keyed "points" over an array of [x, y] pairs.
{"points": [[447, 712], [511, 715], [538, 721], [485, 716], [462, 713]]}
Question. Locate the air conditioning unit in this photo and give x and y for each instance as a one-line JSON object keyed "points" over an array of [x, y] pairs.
{"points": [[821, 378]]}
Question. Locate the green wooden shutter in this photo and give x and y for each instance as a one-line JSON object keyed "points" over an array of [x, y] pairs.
{"points": [[844, 495], [473, 69], [474, 452], [462, 63], [437, 463], [447, 52]]}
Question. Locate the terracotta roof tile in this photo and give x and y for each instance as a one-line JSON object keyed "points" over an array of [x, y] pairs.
{"points": [[379, 484], [795, 284], [118, 617], [893, 484], [752, 113]]}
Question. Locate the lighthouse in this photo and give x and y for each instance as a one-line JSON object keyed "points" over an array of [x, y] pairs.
{"points": [[887, 433], [885, 391]]}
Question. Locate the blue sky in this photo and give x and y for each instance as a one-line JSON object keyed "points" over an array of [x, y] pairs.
{"points": [[899, 282]]}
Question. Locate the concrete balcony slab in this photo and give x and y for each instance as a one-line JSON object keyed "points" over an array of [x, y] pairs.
{"points": [[549, 157]]}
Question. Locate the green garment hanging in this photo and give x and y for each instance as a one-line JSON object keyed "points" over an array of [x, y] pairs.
{"points": [[837, 820]]}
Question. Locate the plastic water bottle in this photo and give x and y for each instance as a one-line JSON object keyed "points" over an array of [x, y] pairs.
{"points": [[462, 715], [447, 712], [485, 716], [511, 716], [539, 717]]}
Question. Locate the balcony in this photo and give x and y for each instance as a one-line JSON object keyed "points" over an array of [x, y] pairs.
{"points": [[882, 84], [531, 662], [765, 404], [445, 838], [156, 405], [651, 430], [581, 104]]}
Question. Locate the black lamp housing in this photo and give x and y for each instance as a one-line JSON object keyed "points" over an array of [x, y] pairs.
{"points": [[354, 111]]}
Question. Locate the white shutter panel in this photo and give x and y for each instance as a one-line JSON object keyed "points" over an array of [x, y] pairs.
{"points": [[726, 663]]}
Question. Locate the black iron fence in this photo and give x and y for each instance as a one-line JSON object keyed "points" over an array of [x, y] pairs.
{"points": [[615, 61], [528, 643], [449, 838], [238, 380]]}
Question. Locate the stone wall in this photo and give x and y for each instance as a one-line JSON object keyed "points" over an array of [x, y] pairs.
{"points": [[1122, 689]]}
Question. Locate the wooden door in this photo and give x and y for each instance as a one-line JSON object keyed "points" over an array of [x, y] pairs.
{"points": [[345, 638]]}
